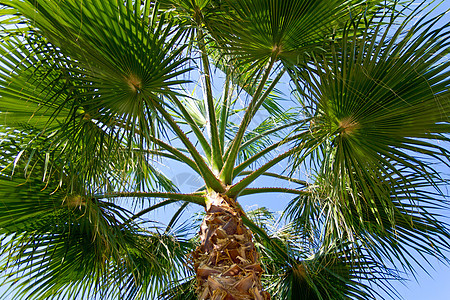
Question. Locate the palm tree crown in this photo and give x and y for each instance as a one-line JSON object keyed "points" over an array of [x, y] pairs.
{"points": [[97, 96]]}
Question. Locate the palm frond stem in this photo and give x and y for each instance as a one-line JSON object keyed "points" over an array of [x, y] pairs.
{"points": [[266, 151], [199, 135], [278, 176], [192, 198], [238, 187], [175, 152], [226, 174], [271, 131], [217, 159], [225, 110], [252, 191], [210, 179]]}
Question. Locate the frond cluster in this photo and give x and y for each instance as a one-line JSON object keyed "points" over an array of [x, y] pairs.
{"points": [[104, 104]]}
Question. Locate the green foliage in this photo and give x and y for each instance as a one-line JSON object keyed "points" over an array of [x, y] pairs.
{"points": [[75, 245], [383, 108], [100, 100]]}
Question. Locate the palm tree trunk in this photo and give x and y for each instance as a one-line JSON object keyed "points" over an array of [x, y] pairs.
{"points": [[226, 262]]}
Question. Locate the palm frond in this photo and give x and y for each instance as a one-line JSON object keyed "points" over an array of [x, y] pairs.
{"points": [[382, 105], [385, 99], [93, 80], [288, 30], [183, 290], [393, 227], [58, 243], [316, 270]]}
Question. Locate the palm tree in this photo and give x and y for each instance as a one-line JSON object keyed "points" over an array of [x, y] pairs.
{"points": [[98, 95]]}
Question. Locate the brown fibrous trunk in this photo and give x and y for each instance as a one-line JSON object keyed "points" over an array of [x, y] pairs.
{"points": [[226, 262]]}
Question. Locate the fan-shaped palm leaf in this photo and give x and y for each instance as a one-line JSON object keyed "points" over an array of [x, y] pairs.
{"points": [[384, 106], [95, 75], [288, 30], [74, 245], [300, 268]]}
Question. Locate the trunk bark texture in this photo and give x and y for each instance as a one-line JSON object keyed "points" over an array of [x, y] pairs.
{"points": [[226, 262]]}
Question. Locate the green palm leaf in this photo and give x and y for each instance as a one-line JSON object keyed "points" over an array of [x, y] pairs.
{"points": [[97, 97], [394, 227], [383, 105], [44, 102], [288, 30], [74, 245], [100, 62], [387, 99], [301, 267]]}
